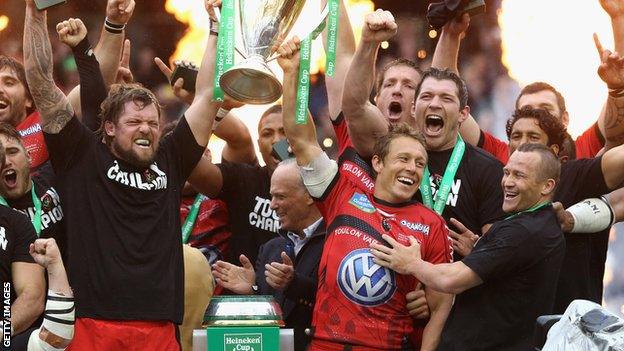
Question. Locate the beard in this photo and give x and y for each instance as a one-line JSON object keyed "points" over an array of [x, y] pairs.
{"points": [[132, 157]]}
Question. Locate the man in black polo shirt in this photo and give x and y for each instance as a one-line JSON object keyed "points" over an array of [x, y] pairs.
{"points": [[509, 279]]}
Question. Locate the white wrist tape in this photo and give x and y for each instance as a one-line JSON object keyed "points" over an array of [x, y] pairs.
{"points": [[58, 316], [221, 113], [318, 175], [591, 215]]}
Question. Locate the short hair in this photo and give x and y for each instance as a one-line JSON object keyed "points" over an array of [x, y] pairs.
{"points": [[395, 131], [550, 167], [396, 62], [541, 86], [292, 162], [551, 125], [18, 69], [445, 74], [277, 108], [10, 132], [113, 106]]}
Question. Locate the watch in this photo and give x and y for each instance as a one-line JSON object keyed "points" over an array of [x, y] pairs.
{"points": [[254, 288]]}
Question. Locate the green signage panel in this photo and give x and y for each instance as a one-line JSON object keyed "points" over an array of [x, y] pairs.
{"points": [[243, 338]]}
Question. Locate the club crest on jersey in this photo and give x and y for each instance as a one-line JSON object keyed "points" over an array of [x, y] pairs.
{"points": [[363, 281], [361, 202]]}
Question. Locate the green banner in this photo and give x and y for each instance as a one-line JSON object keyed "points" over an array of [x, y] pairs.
{"points": [[189, 223], [225, 46], [243, 338], [332, 36], [303, 86]]}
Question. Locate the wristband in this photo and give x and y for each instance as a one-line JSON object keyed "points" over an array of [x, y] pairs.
{"points": [[616, 93], [221, 113], [214, 27], [591, 215], [113, 27]]}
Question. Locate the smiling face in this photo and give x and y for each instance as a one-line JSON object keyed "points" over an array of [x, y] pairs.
{"points": [[395, 95], [136, 135], [438, 114], [15, 178], [524, 184], [289, 198], [399, 173], [14, 100]]}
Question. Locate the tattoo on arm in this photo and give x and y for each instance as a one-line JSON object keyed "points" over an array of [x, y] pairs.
{"points": [[50, 101]]}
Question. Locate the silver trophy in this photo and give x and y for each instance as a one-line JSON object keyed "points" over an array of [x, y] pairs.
{"points": [[262, 23]]}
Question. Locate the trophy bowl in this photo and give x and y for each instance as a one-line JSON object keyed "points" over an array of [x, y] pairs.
{"points": [[251, 310], [262, 24]]}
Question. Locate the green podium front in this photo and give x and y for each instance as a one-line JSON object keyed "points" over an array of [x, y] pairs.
{"points": [[249, 323]]}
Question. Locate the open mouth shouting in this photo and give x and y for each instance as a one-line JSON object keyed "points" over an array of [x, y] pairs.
{"points": [[9, 177], [433, 125], [4, 105], [395, 109]]}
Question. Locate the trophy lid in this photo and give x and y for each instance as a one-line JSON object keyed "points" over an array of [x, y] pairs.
{"points": [[243, 311]]}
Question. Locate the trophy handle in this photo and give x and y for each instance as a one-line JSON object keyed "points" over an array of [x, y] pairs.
{"points": [[322, 18]]}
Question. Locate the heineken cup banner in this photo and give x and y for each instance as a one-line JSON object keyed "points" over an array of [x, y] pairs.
{"points": [[261, 25]]}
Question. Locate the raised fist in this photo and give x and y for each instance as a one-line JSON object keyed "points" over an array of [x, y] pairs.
{"points": [[71, 31], [119, 11], [378, 26]]}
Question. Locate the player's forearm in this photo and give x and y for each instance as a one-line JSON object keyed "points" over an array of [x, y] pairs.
{"points": [[361, 77], [440, 309], [439, 277], [53, 106], [611, 122], [446, 52], [26, 308], [345, 48], [108, 52], [302, 136], [57, 279], [239, 145]]}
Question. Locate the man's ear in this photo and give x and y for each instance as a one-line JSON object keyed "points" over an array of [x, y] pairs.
{"points": [[109, 128], [464, 114], [565, 119], [555, 149], [377, 163], [549, 187]]}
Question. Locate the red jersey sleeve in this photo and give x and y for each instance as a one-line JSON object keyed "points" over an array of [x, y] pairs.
{"points": [[342, 133], [589, 143], [439, 248], [494, 146]]}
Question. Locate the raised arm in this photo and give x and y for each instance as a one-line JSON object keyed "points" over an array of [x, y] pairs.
{"points": [[446, 56], [109, 47], [51, 103], [301, 137], [345, 48], [611, 71], [612, 166], [200, 115], [364, 119]]}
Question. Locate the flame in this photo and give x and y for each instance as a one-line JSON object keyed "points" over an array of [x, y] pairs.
{"points": [[192, 44], [551, 41], [4, 22]]}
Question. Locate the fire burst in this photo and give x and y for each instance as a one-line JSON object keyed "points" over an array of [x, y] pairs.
{"points": [[551, 41], [4, 22]]}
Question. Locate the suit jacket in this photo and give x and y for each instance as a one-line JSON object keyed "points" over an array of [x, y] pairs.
{"points": [[297, 300]]}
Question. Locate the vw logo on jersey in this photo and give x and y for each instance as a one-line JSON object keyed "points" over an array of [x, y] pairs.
{"points": [[364, 282]]}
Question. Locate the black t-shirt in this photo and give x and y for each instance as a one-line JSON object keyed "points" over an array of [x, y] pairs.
{"points": [[52, 225], [518, 261], [476, 196], [583, 265], [123, 224], [246, 192], [16, 235]]}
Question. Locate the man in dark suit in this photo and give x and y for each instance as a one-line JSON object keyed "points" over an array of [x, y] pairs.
{"points": [[287, 266]]}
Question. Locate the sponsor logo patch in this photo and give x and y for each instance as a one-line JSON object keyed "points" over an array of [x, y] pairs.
{"points": [[363, 281], [361, 202]]}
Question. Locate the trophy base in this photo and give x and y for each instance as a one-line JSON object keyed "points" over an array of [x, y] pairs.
{"points": [[251, 82]]}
